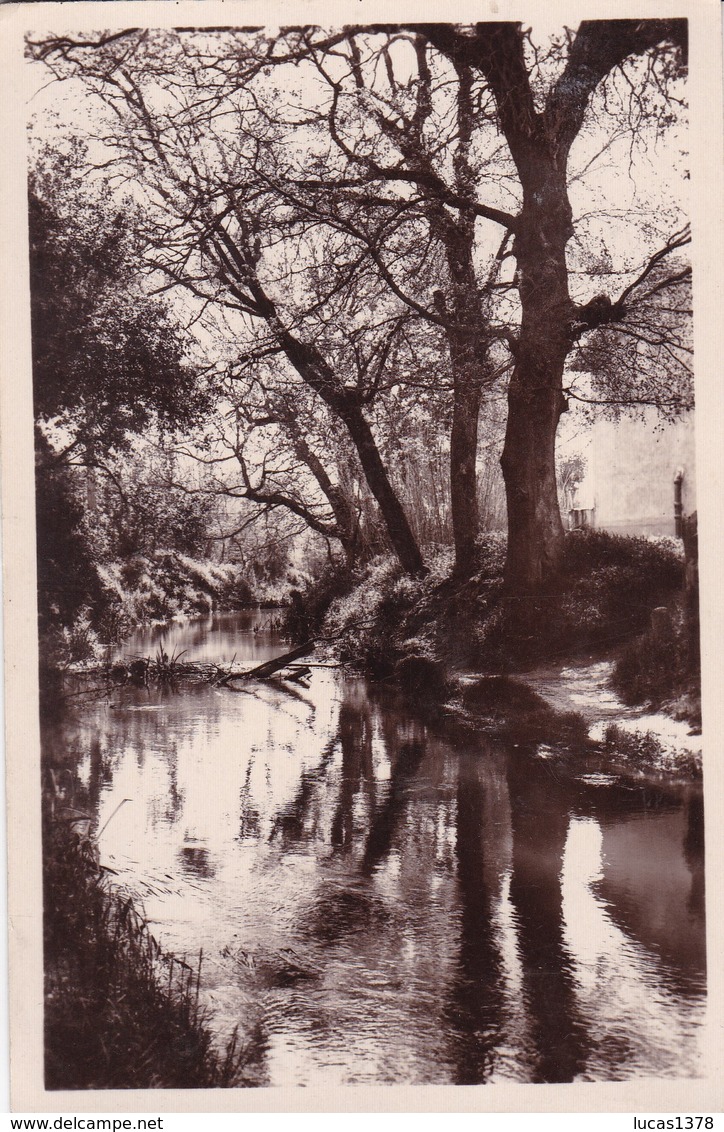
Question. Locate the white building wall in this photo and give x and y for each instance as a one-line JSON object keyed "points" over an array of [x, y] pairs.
{"points": [[630, 471]]}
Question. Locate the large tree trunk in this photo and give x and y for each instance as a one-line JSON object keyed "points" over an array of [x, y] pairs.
{"points": [[463, 471], [535, 399], [539, 143], [535, 531], [468, 341]]}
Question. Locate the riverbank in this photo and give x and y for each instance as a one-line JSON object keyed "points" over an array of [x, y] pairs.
{"points": [[144, 592], [468, 650], [634, 737], [535, 716], [119, 1011]]}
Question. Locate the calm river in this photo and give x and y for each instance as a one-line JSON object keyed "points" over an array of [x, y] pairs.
{"points": [[380, 903]]}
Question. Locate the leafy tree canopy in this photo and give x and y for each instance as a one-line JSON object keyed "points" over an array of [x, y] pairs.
{"points": [[109, 358], [331, 196]]}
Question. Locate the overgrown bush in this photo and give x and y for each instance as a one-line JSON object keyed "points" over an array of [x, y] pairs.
{"points": [[607, 590], [613, 581], [521, 712], [608, 587], [661, 667], [67, 565], [645, 751], [370, 620], [308, 605], [163, 586]]}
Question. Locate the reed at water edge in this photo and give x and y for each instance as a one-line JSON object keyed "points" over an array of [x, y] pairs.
{"points": [[120, 1013]]}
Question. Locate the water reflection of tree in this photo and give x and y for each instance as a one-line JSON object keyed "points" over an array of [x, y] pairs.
{"points": [[62, 760], [406, 743], [355, 738], [290, 824], [649, 834], [476, 1007], [540, 809], [249, 816], [195, 860], [98, 776], [388, 814], [385, 802]]}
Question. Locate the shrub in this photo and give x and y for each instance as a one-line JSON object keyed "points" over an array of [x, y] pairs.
{"points": [[165, 585], [645, 751], [391, 624], [67, 565], [370, 619], [661, 667], [521, 712], [491, 549], [609, 585]]}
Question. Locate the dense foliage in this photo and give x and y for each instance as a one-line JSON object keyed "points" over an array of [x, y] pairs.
{"points": [[611, 585], [119, 539], [108, 358]]}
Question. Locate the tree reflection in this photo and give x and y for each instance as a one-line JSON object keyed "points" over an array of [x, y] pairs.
{"points": [[476, 1007], [355, 738], [195, 860], [653, 878], [540, 818], [385, 935], [290, 824], [387, 815], [249, 816]]}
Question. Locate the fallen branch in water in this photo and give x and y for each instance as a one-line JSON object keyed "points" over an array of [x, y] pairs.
{"points": [[165, 668], [299, 672], [269, 667]]}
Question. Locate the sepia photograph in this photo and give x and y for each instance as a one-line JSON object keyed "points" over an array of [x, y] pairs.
{"points": [[362, 518]]}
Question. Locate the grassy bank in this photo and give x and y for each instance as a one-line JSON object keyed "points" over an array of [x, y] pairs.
{"points": [[141, 591], [422, 634], [394, 626], [149, 590], [119, 1012]]}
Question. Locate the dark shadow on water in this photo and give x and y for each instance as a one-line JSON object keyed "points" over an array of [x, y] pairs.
{"points": [[290, 824], [355, 738], [391, 809], [338, 912], [194, 860], [476, 1008], [540, 819], [694, 854]]}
